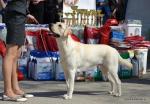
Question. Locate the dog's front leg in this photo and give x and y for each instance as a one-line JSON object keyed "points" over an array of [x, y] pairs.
{"points": [[71, 84], [66, 73], [66, 78]]}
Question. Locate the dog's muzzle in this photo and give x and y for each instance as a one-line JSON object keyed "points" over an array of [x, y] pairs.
{"points": [[52, 33]]}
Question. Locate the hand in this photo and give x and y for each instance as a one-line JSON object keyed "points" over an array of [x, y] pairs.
{"points": [[70, 2], [114, 13], [32, 19], [2, 4], [35, 2], [102, 4]]}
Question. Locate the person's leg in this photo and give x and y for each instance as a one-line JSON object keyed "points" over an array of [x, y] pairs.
{"points": [[7, 70], [15, 85]]}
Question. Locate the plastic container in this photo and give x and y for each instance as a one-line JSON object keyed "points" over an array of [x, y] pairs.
{"points": [[141, 55], [117, 36], [133, 29], [98, 75], [43, 66], [3, 31], [59, 71], [135, 63], [125, 72], [22, 66]]}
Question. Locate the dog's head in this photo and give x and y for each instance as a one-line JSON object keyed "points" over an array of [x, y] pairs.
{"points": [[59, 29]]}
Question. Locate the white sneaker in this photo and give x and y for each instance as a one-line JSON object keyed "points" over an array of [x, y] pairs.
{"points": [[17, 99]]}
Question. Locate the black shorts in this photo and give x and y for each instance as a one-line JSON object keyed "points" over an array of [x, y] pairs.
{"points": [[15, 24]]}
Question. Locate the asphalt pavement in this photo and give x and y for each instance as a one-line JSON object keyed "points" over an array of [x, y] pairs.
{"points": [[134, 91]]}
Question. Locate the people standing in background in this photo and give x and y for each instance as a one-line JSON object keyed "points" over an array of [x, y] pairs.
{"points": [[46, 11], [52, 8], [118, 8], [37, 10], [15, 14], [104, 6], [3, 5]]}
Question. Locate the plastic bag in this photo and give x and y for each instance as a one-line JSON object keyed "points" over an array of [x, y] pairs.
{"points": [[2, 48], [105, 34], [91, 35], [43, 41]]}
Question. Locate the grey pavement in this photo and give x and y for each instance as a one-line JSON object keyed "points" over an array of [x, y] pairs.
{"points": [[135, 91]]}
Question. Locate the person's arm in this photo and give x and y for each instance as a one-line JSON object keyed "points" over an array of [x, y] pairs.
{"points": [[114, 13], [70, 2], [105, 2], [32, 19], [2, 3]]}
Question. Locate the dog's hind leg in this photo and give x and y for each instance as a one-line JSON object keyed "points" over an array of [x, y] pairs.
{"points": [[71, 80], [118, 84], [109, 76], [112, 83], [104, 71]]}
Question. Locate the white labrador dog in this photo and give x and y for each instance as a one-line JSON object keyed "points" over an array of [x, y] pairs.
{"points": [[75, 55]]}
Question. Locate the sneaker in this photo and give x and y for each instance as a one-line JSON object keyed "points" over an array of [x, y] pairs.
{"points": [[17, 99]]}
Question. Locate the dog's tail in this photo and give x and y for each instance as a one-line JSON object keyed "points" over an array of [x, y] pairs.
{"points": [[125, 62]]}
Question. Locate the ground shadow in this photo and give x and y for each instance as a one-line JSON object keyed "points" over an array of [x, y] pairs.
{"points": [[59, 94], [137, 81]]}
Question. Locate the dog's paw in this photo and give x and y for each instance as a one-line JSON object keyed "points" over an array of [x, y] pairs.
{"points": [[117, 95], [67, 97], [111, 92]]}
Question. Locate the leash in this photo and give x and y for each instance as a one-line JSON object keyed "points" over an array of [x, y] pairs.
{"points": [[49, 57]]}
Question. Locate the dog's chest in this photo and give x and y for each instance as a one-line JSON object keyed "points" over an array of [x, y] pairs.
{"points": [[72, 59]]}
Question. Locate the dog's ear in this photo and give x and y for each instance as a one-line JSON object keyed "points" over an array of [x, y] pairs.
{"points": [[68, 32]]}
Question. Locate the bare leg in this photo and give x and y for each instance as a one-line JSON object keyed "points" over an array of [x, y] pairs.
{"points": [[7, 70], [15, 84]]}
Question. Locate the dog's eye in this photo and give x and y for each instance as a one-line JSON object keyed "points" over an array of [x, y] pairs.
{"points": [[60, 25]]}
